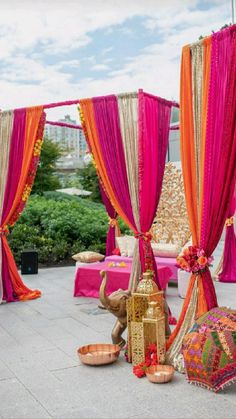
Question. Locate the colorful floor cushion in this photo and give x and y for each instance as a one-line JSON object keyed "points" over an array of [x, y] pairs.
{"points": [[209, 349]]}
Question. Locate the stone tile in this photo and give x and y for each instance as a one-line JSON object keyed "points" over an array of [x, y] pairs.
{"points": [[38, 345], [17, 402], [6, 340], [70, 346], [48, 310], [5, 372], [81, 412], [55, 359]]}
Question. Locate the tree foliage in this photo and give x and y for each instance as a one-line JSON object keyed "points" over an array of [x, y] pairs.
{"points": [[89, 180], [45, 179], [58, 225]]}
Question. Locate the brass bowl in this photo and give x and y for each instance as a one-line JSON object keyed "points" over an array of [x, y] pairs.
{"points": [[99, 354], [160, 373]]}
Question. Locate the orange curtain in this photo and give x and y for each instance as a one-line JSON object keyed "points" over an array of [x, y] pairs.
{"points": [[189, 162], [25, 147], [87, 114]]}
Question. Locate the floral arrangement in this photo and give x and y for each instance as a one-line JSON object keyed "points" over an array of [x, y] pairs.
{"points": [[151, 358], [117, 264], [193, 260]]}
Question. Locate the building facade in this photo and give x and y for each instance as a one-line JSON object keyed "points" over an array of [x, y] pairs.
{"points": [[70, 140]]}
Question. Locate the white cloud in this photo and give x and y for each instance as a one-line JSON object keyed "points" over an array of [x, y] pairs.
{"points": [[63, 26], [100, 67], [107, 50]]}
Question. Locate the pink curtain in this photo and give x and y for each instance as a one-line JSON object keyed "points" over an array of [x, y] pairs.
{"points": [[208, 154], [220, 148], [102, 126], [154, 122], [228, 273], [24, 139]]}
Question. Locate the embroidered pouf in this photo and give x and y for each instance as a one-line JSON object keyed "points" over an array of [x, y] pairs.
{"points": [[209, 349]]}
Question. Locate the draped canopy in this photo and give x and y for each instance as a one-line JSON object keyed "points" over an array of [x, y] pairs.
{"points": [[128, 137], [208, 154], [21, 134]]}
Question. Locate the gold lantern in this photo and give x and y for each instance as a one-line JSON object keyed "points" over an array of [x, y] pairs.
{"points": [[154, 330], [137, 305]]}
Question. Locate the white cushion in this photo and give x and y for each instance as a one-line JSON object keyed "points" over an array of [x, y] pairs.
{"points": [[126, 245], [130, 240], [122, 244], [166, 250]]}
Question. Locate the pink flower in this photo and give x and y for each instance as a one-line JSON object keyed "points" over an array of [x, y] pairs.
{"points": [[200, 253]]}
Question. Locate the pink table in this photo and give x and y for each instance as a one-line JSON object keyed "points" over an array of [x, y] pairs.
{"points": [[88, 279]]}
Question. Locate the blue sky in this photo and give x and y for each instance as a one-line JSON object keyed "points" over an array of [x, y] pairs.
{"points": [[61, 50]]}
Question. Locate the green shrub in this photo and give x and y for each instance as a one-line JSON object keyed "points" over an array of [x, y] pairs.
{"points": [[58, 226]]}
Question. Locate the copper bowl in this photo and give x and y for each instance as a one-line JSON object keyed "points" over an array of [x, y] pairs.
{"points": [[99, 354], [160, 373]]}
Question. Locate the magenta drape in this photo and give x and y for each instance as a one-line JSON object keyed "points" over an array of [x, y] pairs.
{"points": [[228, 273], [112, 214], [154, 121], [153, 128], [8, 293], [220, 148], [108, 127], [14, 171], [15, 159]]}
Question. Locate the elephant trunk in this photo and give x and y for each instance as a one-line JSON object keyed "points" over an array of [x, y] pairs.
{"points": [[105, 300]]}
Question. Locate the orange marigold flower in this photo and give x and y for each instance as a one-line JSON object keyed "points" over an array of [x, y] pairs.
{"points": [[202, 260]]}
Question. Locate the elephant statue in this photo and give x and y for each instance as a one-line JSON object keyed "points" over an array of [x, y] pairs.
{"points": [[116, 304]]}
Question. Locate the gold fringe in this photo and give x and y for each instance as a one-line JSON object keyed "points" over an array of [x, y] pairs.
{"points": [[219, 268], [175, 349]]}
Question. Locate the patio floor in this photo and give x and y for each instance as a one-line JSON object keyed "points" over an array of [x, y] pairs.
{"points": [[41, 376]]}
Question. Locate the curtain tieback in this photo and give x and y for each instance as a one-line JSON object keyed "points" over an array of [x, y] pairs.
{"points": [[4, 231], [113, 222], [147, 237], [229, 221]]}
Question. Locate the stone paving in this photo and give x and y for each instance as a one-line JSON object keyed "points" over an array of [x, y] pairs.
{"points": [[41, 376]]}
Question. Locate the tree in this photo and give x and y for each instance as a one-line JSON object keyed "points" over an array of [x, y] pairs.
{"points": [[89, 180], [45, 179]]}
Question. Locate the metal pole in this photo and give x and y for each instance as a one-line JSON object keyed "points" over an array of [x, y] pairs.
{"points": [[233, 10]]}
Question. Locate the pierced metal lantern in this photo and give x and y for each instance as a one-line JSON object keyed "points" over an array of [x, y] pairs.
{"points": [[137, 305]]}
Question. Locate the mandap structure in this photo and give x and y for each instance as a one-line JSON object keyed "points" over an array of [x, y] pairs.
{"points": [[128, 135]]}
